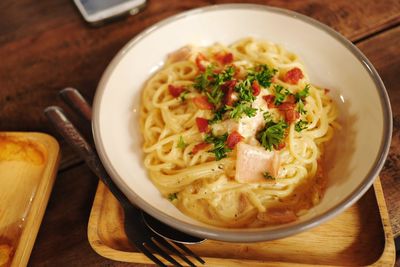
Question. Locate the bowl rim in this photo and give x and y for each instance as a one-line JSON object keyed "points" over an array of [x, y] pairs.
{"points": [[253, 234]]}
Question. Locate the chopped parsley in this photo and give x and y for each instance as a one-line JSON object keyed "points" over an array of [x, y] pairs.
{"points": [[183, 95], [280, 94], [181, 143], [301, 125], [173, 196], [272, 134], [218, 114], [300, 107], [268, 176], [267, 116], [242, 108], [202, 81], [300, 99], [263, 74], [303, 93], [210, 83], [219, 147], [245, 91]]}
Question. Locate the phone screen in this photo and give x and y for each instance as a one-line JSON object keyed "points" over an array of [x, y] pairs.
{"points": [[94, 6]]}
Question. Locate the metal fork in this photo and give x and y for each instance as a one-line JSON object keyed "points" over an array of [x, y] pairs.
{"points": [[137, 232]]}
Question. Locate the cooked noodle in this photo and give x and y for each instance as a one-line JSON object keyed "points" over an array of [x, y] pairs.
{"points": [[206, 187]]}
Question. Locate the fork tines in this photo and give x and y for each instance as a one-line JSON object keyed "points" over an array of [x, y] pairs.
{"points": [[155, 244]]}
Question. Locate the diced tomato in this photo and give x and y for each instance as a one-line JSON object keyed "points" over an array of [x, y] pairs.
{"points": [[256, 88], [175, 91], [202, 103], [233, 139], [199, 147], [270, 100], [202, 124], [288, 110], [293, 76], [228, 88], [224, 58], [326, 90], [199, 62]]}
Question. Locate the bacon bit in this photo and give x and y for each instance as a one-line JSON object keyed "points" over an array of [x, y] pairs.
{"points": [[224, 58], [199, 147], [228, 89], [326, 90], [293, 76], [270, 100], [256, 88], [216, 71], [237, 75], [280, 146], [285, 106], [291, 116], [288, 110], [202, 124], [233, 139], [202, 103], [175, 91], [291, 99], [200, 57]]}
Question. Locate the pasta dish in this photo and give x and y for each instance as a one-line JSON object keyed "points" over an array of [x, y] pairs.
{"points": [[234, 135]]}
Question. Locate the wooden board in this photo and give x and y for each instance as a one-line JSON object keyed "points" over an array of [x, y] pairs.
{"points": [[359, 236], [28, 165]]}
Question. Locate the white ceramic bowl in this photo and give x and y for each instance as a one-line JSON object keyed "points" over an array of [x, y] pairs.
{"points": [[331, 61]]}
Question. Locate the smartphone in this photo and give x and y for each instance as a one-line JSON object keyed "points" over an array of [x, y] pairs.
{"points": [[96, 12]]}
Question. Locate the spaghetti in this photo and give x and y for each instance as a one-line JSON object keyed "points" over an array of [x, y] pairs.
{"points": [[233, 136]]}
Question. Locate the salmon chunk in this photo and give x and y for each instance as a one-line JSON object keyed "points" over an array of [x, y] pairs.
{"points": [[252, 162]]}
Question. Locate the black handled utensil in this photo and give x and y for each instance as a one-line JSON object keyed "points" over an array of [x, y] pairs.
{"points": [[136, 230]]}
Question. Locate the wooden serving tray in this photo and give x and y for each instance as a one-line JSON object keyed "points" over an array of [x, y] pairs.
{"points": [[28, 166], [359, 236]]}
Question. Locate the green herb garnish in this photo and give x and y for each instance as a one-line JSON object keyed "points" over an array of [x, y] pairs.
{"points": [[272, 134], [219, 147], [173, 196], [242, 108], [218, 114], [280, 94], [262, 74], [210, 83], [268, 176], [183, 95], [303, 93], [181, 143], [301, 125], [202, 81], [267, 116]]}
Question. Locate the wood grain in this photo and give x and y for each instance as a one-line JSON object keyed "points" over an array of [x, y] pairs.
{"points": [[383, 50], [46, 46], [28, 166], [339, 242]]}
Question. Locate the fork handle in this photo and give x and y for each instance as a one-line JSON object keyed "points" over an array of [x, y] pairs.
{"points": [[67, 130], [77, 102]]}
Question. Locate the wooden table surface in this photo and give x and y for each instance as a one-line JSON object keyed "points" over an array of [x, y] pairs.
{"points": [[46, 46]]}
